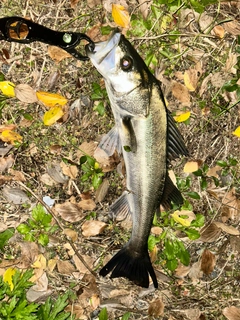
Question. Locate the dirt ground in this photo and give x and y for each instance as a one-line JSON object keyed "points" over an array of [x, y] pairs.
{"points": [[193, 68]]}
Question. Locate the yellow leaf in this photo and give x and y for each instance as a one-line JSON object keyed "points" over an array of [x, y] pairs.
{"points": [[7, 88], [182, 117], [51, 99], [52, 115], [40, 262], [11, 137], [190, 79], [176, 217], [237, 132], [192, 166], [120, 15], [7, 277]]}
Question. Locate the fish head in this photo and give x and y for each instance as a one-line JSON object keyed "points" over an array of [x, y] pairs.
{"points": [[120, 64]]}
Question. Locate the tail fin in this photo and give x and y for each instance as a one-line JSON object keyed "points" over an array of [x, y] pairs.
{"points": [[135, 268]]}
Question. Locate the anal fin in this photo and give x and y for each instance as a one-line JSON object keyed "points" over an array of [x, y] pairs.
{"points": [[120, 209], [171, 194]]}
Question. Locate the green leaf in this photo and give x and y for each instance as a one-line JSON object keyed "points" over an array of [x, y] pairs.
{"points": [[29, 237], [43, 239], [172, 264], [127, 148], [47, 218], [83, 159], [152, 241], [38, 213], [199, 221], [126, 316], [203, 183], [23, 228], [193, 195], [222, 163], [100, 108], [169, 249], [5, 236], [103, 315], [96, 180], [54, 310], [183, 254], [91, 161], [192, 234]]}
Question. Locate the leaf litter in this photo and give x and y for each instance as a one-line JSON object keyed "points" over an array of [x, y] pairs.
{"points": [[85, 221]]}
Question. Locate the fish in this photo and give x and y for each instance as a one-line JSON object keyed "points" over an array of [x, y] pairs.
{"points": [[146, 135]]}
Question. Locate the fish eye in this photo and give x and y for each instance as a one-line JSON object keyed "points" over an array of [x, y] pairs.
{"points": [[126, 63]]}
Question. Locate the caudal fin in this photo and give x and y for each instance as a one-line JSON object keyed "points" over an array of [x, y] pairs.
{"points": [[135, 268]]}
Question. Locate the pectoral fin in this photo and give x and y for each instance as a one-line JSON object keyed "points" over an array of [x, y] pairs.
{"points": [[130, 141], [111, 142], [175, 143], [120, 209]]}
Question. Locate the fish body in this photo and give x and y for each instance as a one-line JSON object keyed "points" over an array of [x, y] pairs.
{"points": [[146, 135]]}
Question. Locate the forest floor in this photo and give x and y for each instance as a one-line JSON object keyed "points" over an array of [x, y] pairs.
{"points": [[196, 57]]}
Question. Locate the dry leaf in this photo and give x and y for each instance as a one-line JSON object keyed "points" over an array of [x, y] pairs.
{"points": [[232, 27], [156, 308], [102, 191], [191, 79], [93, 228], [58, 54], [228, 229], [204, 85], [120, 15], [86, 148], [180, 92], [69, 211], [40, 262], [231, 63], [231, 313], [195, 272], [55, 172], [7, 127], [15, 195], [80, 266], [65, 267], [191, 314], [71, 234], [231, 206], [192, 166], [69, 170], [208, 262], [210, 233], [144, 7], [6, 162], [106, 163], [25, 93], [214, 172], [219, 78], [182, 271], [88, 204], [53, 80], [156, 230], [52, 264], [218, 31]]}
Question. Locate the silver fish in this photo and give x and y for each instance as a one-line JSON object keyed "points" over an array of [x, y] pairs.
{"points": [[146, 135]]}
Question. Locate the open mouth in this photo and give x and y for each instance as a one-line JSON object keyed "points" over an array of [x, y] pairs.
{"points": [[103, 49]]}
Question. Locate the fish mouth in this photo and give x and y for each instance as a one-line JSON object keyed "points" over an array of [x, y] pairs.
{"points": [[104, 52]]}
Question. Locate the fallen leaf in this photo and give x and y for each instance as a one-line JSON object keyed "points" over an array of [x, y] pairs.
{"points": [[11, 137], [214, 172], [195, 272], [4, 127], [93, 228], [192, 166], [183, 221], [236, 132], [40, 262], [88, 204], [65, 267], [208, 262], [102, 191], [156, 230], [191, 314], [51, 264], [69, 211], [52, 115], [231, 62], [80, 266], [190, 78], [53, 80], [71, 234], [120, 15], [180, 92], [156, 308], [182, 117], [228, 229], [69, 170], [231, 313], [210, 233], [7, 88], [6, 162], [51, 99], [15, 195], [232, 27], [144, 8], [182, 271], [55, 172], [218, 31], [58, 54], [86, 148], [25, 93], [231, 206]]}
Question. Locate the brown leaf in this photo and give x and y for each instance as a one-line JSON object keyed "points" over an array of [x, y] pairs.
{"points": [[180, 92], [25, 93], [88, 204], [15, 195], [214, 172], [102, 191], [228, 229], [6, 162], [191, 79], [53, 80], [218, 31], [232, 27], [58, 54], [106, 163], [156, 308], [231, 313], [210, 233], [208, 262], [69, 170], [4, 127], [182, 271], [192, 166], [93, 227], [80, 266], [86, 148], [71, 234], [65, 267], [144, 8], [231, 63], [73, 3], [231, 206], [55, 172], [191, 314], [69, 211]]}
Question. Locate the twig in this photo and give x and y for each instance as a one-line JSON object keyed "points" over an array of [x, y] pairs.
{"points": [[59, 224]]}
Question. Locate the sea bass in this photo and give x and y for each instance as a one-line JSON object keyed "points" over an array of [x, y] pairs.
{"points": [[146, 135]]}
